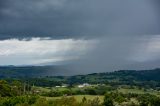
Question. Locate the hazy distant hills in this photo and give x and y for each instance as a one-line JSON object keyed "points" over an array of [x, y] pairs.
{"points": [[32, 71], [41, 71]]}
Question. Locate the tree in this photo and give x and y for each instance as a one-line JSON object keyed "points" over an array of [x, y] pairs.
{"points": [[5, 89], [108, 101], [17, 88], [155, 101], [119, 98]]}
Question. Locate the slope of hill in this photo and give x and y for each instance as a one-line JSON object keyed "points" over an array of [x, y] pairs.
{"points": [[31, 71], [122, 76], [60, 73]]}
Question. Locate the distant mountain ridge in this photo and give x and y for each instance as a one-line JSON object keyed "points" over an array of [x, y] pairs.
{"points": [[42, 71], [32, 71]]}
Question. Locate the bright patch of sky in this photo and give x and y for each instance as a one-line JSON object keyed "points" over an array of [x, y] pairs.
{"points": [[42, 50]]}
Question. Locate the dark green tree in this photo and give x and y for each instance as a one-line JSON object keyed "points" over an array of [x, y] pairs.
{"points": [[108, 101], [5, 89]]}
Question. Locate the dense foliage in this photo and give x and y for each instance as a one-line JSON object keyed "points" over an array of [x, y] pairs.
{"points": [[35, 91], [145, 78]]}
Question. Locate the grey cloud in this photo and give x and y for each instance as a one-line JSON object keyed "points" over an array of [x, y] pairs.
{"points": [[118, 53], [75, 19], [120, 25]]}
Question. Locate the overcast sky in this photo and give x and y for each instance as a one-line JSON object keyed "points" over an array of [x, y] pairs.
{"points": [[87, 35]]}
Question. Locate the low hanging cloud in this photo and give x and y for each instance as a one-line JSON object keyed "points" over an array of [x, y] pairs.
{"points": [[147, 50], [121, 53], [42, 50]]}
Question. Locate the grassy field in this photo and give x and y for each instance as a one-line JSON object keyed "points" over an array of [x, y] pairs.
{"points": [[125, 91], [47, 89], [139, 91], [122, 90], [79, 97]]}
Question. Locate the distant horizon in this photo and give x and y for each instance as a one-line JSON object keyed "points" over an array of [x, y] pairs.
{"points": [[29, 66]]}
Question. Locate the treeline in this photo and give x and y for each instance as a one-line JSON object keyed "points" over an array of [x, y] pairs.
{"points": [[42, 71], [98, 90], [22, 94], [143, 78], [14, 88], [130, 99], [110, 99], [37, 101], [147, 79]]}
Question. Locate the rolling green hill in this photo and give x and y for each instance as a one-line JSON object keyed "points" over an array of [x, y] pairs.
{"points": [[31, 71], [54, 75]]}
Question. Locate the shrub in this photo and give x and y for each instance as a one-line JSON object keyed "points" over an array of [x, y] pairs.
{"points": [[108, 101]]}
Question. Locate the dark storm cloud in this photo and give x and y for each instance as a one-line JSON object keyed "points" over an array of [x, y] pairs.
{"points": [[78, 18], [126, 30], [119, 53]]}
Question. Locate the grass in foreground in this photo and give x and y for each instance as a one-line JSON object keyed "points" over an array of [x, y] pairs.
{"points": [[80, 97]]}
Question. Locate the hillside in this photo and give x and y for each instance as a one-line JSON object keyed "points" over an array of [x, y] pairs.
{"points": [[53, 71], [123, 76], [52, 75], [31, 71]]}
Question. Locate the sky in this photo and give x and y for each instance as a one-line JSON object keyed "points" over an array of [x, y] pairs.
{"points": [[87, 35]]}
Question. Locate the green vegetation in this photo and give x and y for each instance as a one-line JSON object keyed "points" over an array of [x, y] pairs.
{"points": [[39, 76], [121, 88], [79, 98], [16, 93]]}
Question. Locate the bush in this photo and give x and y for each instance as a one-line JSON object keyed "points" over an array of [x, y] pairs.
{"points": [[13, 101], [90, 91], [108, 100]]}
